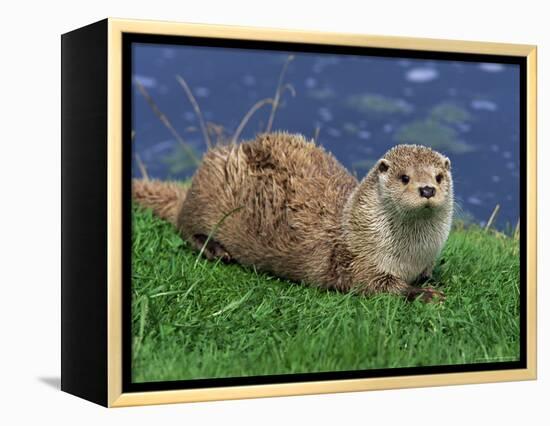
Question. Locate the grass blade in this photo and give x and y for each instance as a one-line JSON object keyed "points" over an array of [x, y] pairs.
{"points": [[164, 120], [197, 109], [247, 117], [278, 92], [212, 232], [492, 218], [233, 305]]}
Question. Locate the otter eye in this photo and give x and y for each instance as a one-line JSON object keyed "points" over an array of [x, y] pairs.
{"points": [[439, 178], [405, 179]]}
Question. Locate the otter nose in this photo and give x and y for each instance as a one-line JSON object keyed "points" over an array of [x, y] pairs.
{"points": [[427, 191]]}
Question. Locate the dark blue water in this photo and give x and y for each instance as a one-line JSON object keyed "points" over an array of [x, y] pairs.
{"points": [[360, 107]]}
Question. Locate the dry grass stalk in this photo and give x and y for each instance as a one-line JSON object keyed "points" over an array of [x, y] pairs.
{"points": [[516, 231], [140, 163], [164, 120], [247, 117], [290, 88], [492, 218], [280, 89], [142, 168], [197, 109], [220, 136], [316, 134]]}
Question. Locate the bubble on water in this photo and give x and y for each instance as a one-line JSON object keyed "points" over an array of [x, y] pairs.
{"points": [[350, 128], [484, 105], [510, 165], [160, 147], [507, 154], [145, 81], [332, 131], [249, 80], [495, 179], [325, 114], [310, 83], [404, 63], [363, 134], [421, 75], [452, 91], [202, 92], [472, 199], [495, 148], [491, 67], [405, 106], [463, 127], [189, 116], [168, 53], [388, 128]]}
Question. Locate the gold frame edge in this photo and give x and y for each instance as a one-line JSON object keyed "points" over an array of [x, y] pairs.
{"points": [[114, 213], [116, 27]]}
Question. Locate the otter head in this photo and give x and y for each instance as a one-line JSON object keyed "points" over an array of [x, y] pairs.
{"points": [[414, 180]]}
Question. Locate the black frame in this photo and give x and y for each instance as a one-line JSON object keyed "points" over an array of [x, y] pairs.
{"points": [[84, 212], [129, 386]]}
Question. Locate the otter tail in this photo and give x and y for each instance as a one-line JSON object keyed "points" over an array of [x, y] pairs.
{"points": [[164, 198]]}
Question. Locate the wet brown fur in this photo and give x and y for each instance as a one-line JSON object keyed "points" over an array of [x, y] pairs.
{"points": [[291, 209], [164, 198]]}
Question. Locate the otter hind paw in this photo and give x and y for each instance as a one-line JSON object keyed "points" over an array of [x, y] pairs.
{"points": [[211, 249], [425, 294]]}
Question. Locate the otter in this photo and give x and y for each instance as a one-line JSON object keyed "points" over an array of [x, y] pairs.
{"points": [[287, 207]]}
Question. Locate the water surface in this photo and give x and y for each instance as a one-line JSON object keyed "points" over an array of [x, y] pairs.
{"points": [[357, 106]]}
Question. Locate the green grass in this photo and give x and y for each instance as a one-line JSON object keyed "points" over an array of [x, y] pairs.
{"points": [[205, 319]]}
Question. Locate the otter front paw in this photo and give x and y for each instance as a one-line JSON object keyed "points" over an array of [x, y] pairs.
{"points": [[425, 294]]}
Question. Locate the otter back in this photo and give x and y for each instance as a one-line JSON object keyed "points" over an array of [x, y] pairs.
{"points": [[285, 198]]}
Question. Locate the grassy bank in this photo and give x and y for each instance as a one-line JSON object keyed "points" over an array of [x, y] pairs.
{"points": [[197, 319]]}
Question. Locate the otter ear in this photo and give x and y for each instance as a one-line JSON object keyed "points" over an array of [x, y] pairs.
{"points": [[383, 165], [447, 163]]}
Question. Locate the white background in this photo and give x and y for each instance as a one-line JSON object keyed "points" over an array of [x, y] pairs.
{"points": [[30, 210]]}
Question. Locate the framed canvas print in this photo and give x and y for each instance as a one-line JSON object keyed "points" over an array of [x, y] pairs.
{"points": [[254, 212]]}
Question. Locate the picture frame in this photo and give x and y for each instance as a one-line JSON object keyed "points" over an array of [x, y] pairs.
{"points": [[97, 227]]}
